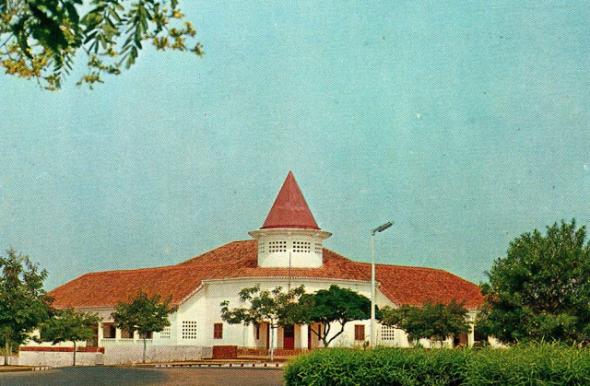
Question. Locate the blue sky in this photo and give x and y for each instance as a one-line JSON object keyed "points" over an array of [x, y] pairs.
{"points": [[465, 123]]}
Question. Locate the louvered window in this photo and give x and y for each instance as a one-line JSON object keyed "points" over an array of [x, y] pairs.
{"points": [[387, 333], [189, 329]]}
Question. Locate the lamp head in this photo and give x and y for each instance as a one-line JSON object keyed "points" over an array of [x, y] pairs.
{"points": [[381, 228]]}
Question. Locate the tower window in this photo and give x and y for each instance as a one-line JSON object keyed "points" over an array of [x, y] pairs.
{"points": [[277, 246], [318, 247], [301, 246]]}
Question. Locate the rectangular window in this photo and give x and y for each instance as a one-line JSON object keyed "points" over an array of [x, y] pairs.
{"points": [[218, 331], [189, 329], [126, 334], [108, 330], [257, 331], [359, 332]]}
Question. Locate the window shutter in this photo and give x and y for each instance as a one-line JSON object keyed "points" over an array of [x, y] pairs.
{"points": [[218, 331], [359, 332]]}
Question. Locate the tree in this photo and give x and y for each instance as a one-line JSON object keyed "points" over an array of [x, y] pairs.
{"points": [[277, 308], [435, 322], [40, 39], [24, 304], [69, 325], [334, 305], [541, 289], [143, 314]]}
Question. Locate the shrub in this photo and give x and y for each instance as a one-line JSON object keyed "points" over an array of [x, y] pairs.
{"points": [[526, 365]]}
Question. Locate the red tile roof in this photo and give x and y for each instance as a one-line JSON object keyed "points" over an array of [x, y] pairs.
{"points": [[238, 259], [290, 209]]}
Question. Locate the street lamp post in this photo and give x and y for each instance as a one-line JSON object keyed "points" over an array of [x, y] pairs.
{"points": [[380, 228]]}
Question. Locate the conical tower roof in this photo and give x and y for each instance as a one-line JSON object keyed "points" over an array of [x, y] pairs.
{"points": [[290, 209]]}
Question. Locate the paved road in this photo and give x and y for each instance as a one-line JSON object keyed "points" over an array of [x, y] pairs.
{"points": [[111, 376]]}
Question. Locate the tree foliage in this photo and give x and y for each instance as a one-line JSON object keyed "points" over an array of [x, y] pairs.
{"points": [[143, 314], [435, 322], [334, 305], [40, 39], [275, 307], [541, 289], [24, 304], [69, 325]]}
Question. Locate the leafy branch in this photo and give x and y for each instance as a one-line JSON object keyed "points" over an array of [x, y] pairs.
{"points": [[41, 39]]}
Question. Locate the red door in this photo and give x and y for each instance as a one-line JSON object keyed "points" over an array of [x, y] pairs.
{"points": [[289, 337]]}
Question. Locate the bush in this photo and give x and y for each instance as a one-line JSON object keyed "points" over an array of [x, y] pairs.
{"points": [[526, 365]]}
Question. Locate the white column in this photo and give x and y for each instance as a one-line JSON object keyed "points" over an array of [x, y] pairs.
{"points": [[275, 336], [471, 335], [249, 336], [117, 334], [100, 334], [303, 335]]}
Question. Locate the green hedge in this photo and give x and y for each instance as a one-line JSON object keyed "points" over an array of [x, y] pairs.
{"points": [[525, 365]]}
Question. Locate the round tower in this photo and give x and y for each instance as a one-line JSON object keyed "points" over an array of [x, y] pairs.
{"points": [[290, 236]]}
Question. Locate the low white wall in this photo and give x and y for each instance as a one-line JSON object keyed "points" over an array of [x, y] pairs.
{"points": [[58, 359], [133, 354], [113, 356]]}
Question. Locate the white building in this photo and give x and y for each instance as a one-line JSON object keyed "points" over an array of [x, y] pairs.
{"points": [[286, 251]]}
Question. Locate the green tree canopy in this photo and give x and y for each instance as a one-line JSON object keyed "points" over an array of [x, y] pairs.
{"points": [[24, 304], [541, 289], [69, 325], [40, 39], [334, 305], [275, 307], [435, 322], [143, 314]]}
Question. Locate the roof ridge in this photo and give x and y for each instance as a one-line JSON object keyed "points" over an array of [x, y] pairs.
{"points": [[411, 267], [213, 250], [338, 255]]}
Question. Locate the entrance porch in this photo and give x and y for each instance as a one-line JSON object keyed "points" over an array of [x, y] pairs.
{"points": [[287, 340]]}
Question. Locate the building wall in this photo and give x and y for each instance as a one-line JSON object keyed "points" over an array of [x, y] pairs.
{"points": [[203, 308], [193, 323]]}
